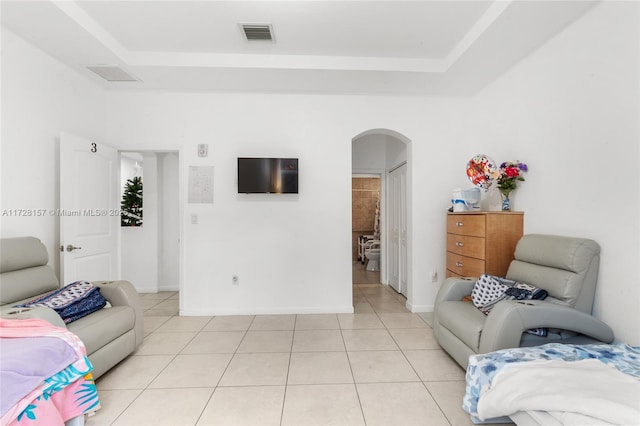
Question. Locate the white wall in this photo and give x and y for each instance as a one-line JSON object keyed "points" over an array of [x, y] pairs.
{"points": [[291, 252], [369, 153], [131, 165], [168, 221], [570, 111], [40, 99], [396, 152], [377, 152]]}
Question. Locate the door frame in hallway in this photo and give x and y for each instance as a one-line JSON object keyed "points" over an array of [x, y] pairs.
{"points": [[379, 174], [180, 171], [387, 150]]}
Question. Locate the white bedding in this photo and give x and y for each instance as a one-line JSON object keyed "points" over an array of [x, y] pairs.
{"points": [[579, 392], [555, 418]]}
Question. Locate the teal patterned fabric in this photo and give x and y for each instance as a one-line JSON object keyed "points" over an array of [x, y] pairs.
{"points": [[75, 389], [483, 368]]}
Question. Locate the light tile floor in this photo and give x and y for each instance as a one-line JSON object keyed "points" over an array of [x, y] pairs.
{"points": [[378, 366]]}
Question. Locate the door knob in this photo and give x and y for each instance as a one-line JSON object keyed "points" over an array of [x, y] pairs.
{"points": [[72, 248]]}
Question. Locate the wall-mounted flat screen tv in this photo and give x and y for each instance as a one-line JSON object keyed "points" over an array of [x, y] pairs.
{"points": [[267, 175]]}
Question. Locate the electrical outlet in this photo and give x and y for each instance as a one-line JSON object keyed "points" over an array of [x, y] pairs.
{"points": [[434, 276], [194, 219], [235, 280]]}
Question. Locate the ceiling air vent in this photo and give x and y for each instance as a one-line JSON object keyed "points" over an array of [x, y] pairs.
{"points": [[257, 32], [112, 73]]}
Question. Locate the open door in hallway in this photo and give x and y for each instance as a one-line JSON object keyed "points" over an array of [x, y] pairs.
{"points": [[397, 208]]}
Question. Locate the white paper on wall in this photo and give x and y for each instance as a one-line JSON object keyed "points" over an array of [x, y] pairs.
{"points": [[201, 184]]}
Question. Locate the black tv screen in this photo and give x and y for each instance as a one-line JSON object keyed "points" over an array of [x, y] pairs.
{"points": [[267, 175]]}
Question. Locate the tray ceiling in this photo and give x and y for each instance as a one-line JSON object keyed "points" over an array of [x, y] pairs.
{"points": [[350, 46]]}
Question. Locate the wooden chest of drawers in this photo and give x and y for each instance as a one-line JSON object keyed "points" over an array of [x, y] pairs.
{"points": [[482, 242]]}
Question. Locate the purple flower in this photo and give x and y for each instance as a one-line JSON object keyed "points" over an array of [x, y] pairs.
{"points": [[523, 167], [503, 165]]}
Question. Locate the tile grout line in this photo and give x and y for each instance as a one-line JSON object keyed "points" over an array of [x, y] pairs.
{"points": [[141, 391], [421, 380], [226, 367], [355, 386], [175, 356], [286, 379], [349, 359], [435, 401]]}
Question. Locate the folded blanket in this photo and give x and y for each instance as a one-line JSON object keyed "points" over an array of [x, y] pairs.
{"points": [[71, 302], [27, 362], [45, 369], [483, 368], [587, 387]]}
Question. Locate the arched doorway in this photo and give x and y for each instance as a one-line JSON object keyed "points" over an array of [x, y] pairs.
{"points": [[386, 153]]}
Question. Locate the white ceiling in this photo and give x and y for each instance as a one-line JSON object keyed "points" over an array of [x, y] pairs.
{"points": [[414, 47]]}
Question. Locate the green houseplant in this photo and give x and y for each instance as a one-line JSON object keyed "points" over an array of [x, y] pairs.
{"points": [[131, 204]]}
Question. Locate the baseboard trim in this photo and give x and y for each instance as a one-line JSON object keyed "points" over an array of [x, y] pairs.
{"points": [[146, 289], [153, 289], [267, 311], [419, 308]]}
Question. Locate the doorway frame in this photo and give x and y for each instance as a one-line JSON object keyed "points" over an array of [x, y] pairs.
{"points": [[381, 174], [409, 206], [181, 198]]}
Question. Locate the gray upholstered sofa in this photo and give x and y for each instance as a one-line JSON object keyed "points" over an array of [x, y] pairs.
{"points": [[566, 267], [109, 334]]}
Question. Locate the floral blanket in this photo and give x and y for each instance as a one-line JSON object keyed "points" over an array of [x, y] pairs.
{"points": [[523, 377], [46, 376]]}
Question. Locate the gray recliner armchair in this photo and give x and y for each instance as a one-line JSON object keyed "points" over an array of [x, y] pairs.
{"points": [[109, 334], [566, 267]]}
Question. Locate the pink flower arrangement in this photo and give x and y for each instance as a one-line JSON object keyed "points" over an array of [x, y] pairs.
{"points": [[510, 174]]}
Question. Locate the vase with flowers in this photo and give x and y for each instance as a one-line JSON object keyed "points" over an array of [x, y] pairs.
{"points": [[510, 174]]}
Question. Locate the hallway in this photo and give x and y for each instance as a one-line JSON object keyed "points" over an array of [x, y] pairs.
{"points": [[362, 276], [369, 296]]}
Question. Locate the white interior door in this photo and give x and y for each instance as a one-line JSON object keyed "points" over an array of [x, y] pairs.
{"points": [[394, 232], [398, 229], [402, 213], [89, 210]]}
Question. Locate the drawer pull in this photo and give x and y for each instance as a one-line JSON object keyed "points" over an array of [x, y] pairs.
{"points": [[459, 264], [458, 224], [459, 243]]}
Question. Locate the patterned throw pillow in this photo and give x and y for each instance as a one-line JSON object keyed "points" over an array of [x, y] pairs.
{"points": [[489, 290]]}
